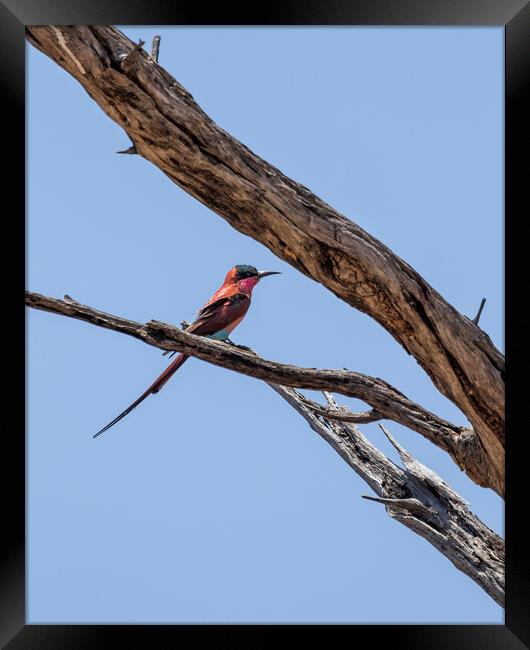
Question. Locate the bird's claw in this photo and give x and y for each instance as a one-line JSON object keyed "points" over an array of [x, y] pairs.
{"points": [[240, 347]]}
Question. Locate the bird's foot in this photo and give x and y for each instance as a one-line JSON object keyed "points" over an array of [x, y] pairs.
{"points": [[241, 347]]}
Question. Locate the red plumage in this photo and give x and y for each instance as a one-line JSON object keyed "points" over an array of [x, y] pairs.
{"points": [[221, 314], [224, 313]]}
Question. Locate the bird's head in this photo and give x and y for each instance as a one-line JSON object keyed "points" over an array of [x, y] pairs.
{"points": [[246, 277]]}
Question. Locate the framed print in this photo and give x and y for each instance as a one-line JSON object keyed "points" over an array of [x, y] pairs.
{"points": [[339, 458]]}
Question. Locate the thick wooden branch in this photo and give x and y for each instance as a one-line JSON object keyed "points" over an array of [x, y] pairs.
{"points": [[386, 400], [169, 129], [416, 497]]}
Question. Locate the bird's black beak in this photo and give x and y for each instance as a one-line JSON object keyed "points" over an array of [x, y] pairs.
{"points": [[263, 274]]}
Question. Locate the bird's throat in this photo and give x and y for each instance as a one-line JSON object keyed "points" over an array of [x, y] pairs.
{"points": [[247, 284]]}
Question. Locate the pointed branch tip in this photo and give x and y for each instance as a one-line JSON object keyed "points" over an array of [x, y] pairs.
{"points": [[477, 317], [414, 505], [155, 46], [403, 453], [131, 150]]}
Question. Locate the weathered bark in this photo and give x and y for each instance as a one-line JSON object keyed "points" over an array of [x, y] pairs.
{"points": [[168, 128], [387, 401], [414, 496]]}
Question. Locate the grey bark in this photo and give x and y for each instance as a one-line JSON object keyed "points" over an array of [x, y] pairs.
{"points": [[416, 497], [168, 128]]}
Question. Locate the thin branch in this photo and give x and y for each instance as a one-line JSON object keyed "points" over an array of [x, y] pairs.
{"points": [[343, 414], [71, 300], [386, 400], [403, 453], [406, 504], [176, 135], [477, 317], [330, 399], [155, 46], [417, 498], [130, 150]]}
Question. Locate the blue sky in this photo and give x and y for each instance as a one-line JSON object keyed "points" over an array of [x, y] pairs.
{"points": [[191, 510]]}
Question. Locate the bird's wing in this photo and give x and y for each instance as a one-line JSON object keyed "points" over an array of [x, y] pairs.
{"points": [[222, 293], [220, 314], [217, 316]]}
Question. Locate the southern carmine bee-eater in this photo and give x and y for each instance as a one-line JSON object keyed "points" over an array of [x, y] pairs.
{"points": [[216, 320]]}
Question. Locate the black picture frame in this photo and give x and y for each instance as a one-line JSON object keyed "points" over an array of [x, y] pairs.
{"points": [[515, 17]]}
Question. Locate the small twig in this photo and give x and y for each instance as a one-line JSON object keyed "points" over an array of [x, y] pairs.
{"points": [[403, 453], [131, 150], [418, 469], [477, 317], [330, 399], [413, 505], [343, 413], [69, 299], [155, 46]]}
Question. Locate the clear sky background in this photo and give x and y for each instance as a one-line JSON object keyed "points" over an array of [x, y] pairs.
{"points": [[193, 510]]}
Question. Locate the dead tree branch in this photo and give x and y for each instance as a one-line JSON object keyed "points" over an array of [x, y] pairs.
{"points": [[387, 402], [155, 47], [479, 312], [416, 497], [169, 129]]}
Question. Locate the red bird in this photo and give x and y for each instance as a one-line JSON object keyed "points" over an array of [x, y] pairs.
{"points": [[216, 320]]}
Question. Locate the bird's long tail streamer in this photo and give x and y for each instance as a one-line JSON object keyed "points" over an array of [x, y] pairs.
{"points": [[154, 388]]}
